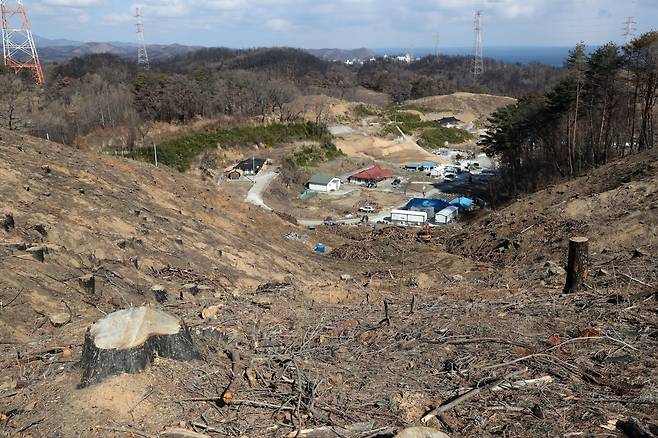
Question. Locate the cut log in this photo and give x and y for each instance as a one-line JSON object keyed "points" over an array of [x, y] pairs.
{"points": [[356, 429], [578, 265], [177, 432], [421, 432], [128, 340], [59, 319]]}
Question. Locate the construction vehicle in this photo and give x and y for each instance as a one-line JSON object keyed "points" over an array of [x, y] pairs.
{"points": [[425, 234]]}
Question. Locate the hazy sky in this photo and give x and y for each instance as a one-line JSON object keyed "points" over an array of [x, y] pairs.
{"points": [[343, 23]]}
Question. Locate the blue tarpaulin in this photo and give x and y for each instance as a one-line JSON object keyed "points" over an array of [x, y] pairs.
{"points": [[436, 204], [462, 202]]}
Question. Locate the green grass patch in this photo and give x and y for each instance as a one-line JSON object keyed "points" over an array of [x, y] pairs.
{"points": [[434, 138], [362, 110], [311, 156], [181, 151], [407, 122]]}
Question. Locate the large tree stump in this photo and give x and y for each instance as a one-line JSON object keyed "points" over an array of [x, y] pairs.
{"points": [[578, 264], [128, 340]]}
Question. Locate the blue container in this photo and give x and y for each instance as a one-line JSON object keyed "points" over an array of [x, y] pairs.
{"points": [[320, 248]]}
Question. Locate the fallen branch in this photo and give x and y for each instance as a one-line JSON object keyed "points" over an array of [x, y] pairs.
{"points": [[638, 281], [519, 384], [569, 341], [470, 394]]}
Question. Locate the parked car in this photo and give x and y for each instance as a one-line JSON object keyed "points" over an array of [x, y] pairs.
{"points": [[367, 209], [396, 182], [329, 221], [449, 176]]}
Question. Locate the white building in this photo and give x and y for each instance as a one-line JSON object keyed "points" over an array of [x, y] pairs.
{"points": [[326, 184], [408, 217], [447, 215]]}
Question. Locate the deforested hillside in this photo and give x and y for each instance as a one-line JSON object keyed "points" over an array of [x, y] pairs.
{"points": [[616, 204], [129, 224], [380, 333]]}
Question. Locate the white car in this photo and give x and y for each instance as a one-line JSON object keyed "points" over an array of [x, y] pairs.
{"points": [[367, 209]]}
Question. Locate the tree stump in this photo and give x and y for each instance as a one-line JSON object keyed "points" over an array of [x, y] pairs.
{"points": [[8, 222], [578, 264], [88, 283], [37, 252], [128, 340], [160, 293]]}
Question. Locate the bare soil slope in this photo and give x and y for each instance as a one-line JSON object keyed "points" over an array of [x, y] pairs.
{"points": [[467, 107], [615, 205], [297, 345]]}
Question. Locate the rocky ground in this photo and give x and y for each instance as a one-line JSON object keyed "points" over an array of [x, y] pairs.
{"points": [[383, 330]]}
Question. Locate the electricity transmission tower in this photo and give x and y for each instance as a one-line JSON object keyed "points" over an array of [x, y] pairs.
{"points": [[20, 53], [629, 29], [142, 56], [478, 62]]}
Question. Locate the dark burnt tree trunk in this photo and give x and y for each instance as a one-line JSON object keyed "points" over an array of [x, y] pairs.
{"points": [[578, 264]]}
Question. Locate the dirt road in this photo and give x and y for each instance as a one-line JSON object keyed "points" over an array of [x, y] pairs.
{"points": [[261, 183]]}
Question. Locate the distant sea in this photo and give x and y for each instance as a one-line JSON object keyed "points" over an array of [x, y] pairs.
{"points": [[522, 55]]}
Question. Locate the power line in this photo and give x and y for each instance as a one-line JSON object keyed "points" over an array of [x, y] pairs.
{"points": [[142, 55], [20, 52], [477, 67]]}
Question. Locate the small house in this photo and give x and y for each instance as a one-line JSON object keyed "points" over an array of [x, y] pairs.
{"points": [[447, 215], [374, 174], [449, 122], [320, 183], [425, 166], [437, 172], [251, 166]]}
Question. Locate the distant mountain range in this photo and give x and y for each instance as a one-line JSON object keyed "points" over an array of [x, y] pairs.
{"points": [[60, 50]]}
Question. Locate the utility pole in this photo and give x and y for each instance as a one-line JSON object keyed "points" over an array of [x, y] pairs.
{"points": [[20, 52], [142, 56], [629, 29], [477, 67]]}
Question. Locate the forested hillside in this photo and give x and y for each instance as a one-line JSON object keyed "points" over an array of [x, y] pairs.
{"points": [[603, 108], [108, 92]]}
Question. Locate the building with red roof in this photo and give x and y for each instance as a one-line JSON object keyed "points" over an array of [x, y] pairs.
{"points": [[374, 174]]}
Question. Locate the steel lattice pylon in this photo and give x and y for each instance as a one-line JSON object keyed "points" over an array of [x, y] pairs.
{"points": [[20, 53], [142, 56], [477, 66]]}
